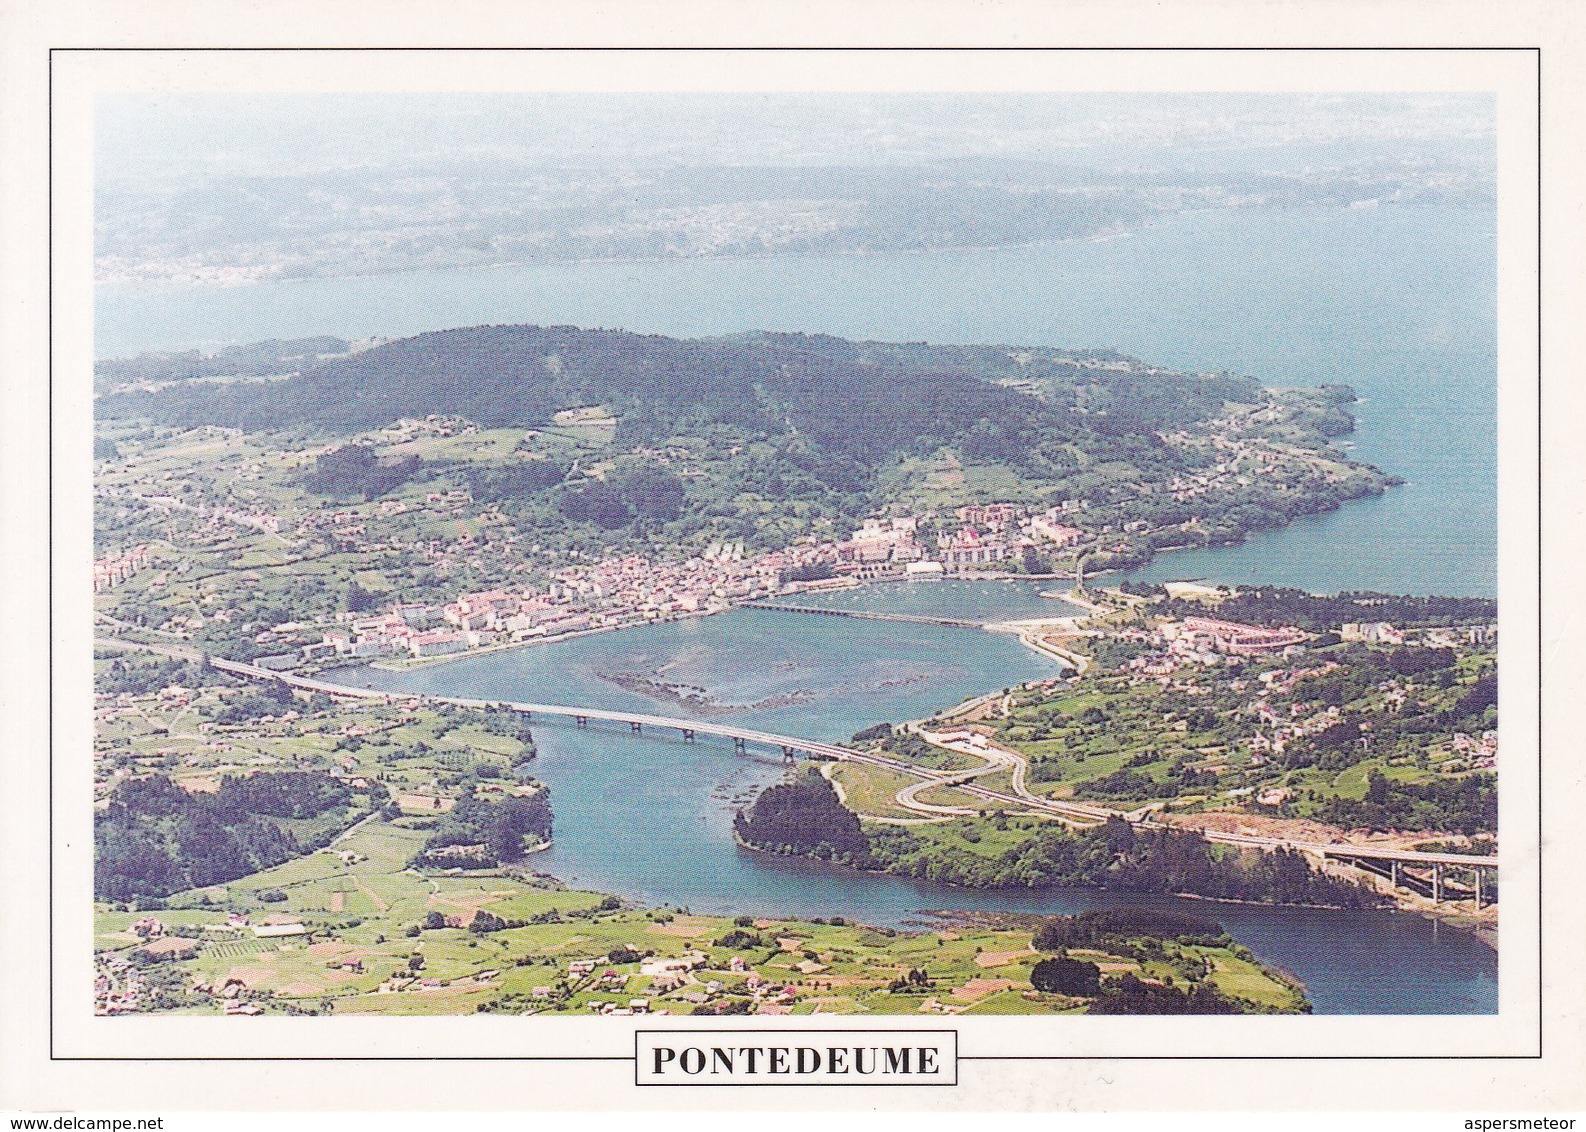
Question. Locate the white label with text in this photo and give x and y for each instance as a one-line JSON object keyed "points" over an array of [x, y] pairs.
{"points": [[797, 1057]]}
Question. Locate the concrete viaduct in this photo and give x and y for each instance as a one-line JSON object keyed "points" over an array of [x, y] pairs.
{"points": [[1422, 873]]}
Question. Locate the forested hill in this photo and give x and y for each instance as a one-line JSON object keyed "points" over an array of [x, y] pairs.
{"points": [[867, 400]]}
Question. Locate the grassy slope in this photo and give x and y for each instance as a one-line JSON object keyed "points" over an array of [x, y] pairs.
{"points": [[858, 962]]}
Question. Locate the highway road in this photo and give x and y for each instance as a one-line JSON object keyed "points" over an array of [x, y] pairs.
{"points": [[1070, 813]]}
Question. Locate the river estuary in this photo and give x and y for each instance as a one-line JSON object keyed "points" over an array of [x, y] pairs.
{"points": [[650, 817], [1397, 301]]}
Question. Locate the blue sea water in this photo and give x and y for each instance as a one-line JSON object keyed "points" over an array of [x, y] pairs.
{"points": [[1397, 301]]}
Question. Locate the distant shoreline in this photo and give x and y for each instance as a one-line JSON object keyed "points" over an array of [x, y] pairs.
{"points": [[1117, 231]]}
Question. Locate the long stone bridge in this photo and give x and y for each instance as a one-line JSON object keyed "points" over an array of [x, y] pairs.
{"points": [[867, 614]]}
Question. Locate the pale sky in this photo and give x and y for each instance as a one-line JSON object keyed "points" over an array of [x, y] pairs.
{"points": [[143, 138]]}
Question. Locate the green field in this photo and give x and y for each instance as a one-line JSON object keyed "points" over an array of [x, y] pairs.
{"points": [[872, 790], [365, 918]]}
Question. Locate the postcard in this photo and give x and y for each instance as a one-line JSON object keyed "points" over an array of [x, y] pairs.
{"points": [[952, 578]]}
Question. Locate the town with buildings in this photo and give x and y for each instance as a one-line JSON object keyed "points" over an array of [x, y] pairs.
{"points": [[403, 879], [233, 557], [251, 546], [613, 592]]}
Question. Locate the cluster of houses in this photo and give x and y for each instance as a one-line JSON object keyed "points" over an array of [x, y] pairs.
{"points": [[347, 529], [609, 594], [890, 545], [1279, 727], [1207, 641], [1479, 751], [671, 975], [218, 514], [1282, 730], [117, 568], [1305, 719], [434, 425], [117, 985], [1449, 636], [1479, 636], [997, 532], [1241, 462]]}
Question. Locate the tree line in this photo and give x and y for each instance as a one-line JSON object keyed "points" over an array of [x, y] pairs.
{"points": [[804, 817], [500, 829], [155, 838], [1284, 605]]}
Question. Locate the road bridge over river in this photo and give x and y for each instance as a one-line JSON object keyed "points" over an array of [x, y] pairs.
{"points": [[687, 729], [1411, 870], [1420, 872], [1408, 869]]}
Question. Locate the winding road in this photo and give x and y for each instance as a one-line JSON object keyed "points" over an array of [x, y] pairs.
{"points": [[1075, 814]]}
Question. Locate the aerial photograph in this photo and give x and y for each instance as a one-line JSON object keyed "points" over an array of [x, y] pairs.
{"points": [[787, 554]]}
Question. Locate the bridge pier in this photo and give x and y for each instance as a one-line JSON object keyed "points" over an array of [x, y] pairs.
{"points": [[739, 745], [581, 720], [1407, 875], [636, 727], [688, 734], [788, 755]]}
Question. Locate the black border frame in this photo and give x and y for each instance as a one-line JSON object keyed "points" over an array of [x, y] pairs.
{"points": [[792, 1081], [49, 455]]}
